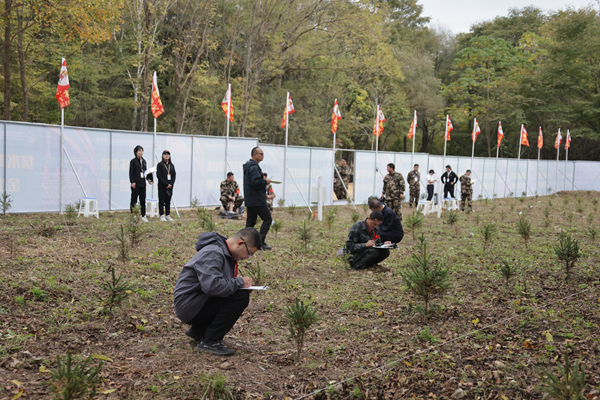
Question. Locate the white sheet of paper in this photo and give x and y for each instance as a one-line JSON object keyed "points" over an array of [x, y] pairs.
{"points": [[255, 288], [151, 170]]}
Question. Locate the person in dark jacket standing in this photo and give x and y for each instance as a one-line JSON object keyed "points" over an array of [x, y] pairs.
{"points": [[208, 294], [165, 172], [449, 178], [390, 229], [255, 195], [137, 178]]}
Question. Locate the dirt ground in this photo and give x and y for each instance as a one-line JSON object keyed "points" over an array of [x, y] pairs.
{"points": [[484, 339]]}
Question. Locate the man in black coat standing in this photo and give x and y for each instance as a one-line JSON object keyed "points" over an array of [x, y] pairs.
{"points": [[449, 178], [390, 229], [255, 195]]}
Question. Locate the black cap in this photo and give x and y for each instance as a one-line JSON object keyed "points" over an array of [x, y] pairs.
{"points": [[167, 152]]}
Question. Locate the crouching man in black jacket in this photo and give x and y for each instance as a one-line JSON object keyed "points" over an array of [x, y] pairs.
{"points": [[209, 295], [138, 178], [390, 228]]}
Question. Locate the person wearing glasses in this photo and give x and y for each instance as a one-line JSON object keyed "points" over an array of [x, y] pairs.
{"points": [[255, 195], [209, 293]]}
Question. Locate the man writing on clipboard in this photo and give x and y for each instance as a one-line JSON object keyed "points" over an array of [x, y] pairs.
{"points": [[363, 242]]}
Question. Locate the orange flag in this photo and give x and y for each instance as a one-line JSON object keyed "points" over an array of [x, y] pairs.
{"points": [[558, 140], [62, 91], [156, 105], [449, 127], [524, 140], [476, 130], [413, 127], [335, 117], [226, 104], [500, 133], [568, 140], [378, 126], [289, 108], [540, 139]]}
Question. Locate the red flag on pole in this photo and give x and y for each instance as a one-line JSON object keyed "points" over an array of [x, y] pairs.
{"points": [[524, 140], [289, 108], [476, 130], [413, 126], [335, 117], [540, 139], [449, 127], [500, 133], [378, 127], [156, 105], [226, 104], [558, 140], [568, 140], [62, 91]]}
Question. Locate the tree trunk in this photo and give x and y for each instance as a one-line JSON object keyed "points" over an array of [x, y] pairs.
{"points": [[21, 54], [149, 40], [246, 93], [7, 61]]}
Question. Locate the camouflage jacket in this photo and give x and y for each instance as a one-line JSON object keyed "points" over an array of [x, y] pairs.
{"points": [[465, 184], [270, 192], [344, 173], [393, 186], [413, 178], [359, 236], [229, 189]]}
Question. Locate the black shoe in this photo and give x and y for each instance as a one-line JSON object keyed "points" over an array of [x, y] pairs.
{"points": [[266, 247], [193, 334], [214, 347]]}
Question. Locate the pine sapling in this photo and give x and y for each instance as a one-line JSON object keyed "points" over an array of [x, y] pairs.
{"points": [[452, 220], [413, 221], [487, 231], [300, 318], [276, 227], [116, 291], [524, 228], [70, 214], [568, 384], [508, 271], [330, 217], [355, 216], [5, 202], [305, 234], [123, 254], [568, 252], [74, 381]]}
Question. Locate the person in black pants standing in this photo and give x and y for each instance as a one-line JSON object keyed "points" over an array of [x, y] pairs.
{"points": [[138, 177], [255, 195], [449, 178], [165, 172]]}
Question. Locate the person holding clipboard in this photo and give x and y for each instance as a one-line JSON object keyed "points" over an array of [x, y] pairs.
{"points": [[364, 244]]}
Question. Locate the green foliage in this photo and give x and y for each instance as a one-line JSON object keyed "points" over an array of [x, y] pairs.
{"points": [[330, 216], [123, 249], [507, 271], [209, 224], [202, 214], [355, 216], [425, 278], [257, 273], [413, 222], [45, 229], [75, 380], [134, 227], [116, 290], [452, 220], [579, 208], [592, 232], [304, 234], [300, 318], [195, 203], [70, 214], [215, 387], [38, 293], [276, 226], [281, 202], [292, 209], [590, 219], [568, 384], [487, 231], [524, 228], [568, 252], [5, 202]]}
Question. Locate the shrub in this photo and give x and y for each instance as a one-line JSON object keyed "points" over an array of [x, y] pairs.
{"points": [[452, 220], [45, 230], [568, 384], [281, 202], [215, 387], [355, 216], [276, 226], [579, 208], [70, 214], [123, 254], [202, 214], [5, 202], [257, 273], [292, 208], [330, 217], [507, 271], [195, 203], [592, 232], [524, 228], [305, 234], [134, 227], [300, 318], [115, 292], [365, 207], [209, 224], [413, 222], [568, 252], [488, 231], [74, 381]]}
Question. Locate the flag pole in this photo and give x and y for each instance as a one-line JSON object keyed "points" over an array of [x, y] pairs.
{"points": [[567, 145], [376, 149], [496, 168], [287, 124], [62, 150], [154, 155], [440, 199], [413, 138], [518, 160], [473, 139], [334, 133], [557, 157], [227, 138], [537, 179]]}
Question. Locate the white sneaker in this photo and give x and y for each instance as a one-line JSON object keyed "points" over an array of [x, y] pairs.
{"points": [[144, 219], [162, 218], [169, 218]]}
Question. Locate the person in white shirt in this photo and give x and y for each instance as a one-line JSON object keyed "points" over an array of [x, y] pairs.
{"points": [[430, 184]]}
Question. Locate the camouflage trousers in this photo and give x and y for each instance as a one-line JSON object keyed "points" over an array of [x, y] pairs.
{"points": [[415, 192], [368, 257], [239, 200], [395, 205], [270, 204], [465, 197], [340, 193]]}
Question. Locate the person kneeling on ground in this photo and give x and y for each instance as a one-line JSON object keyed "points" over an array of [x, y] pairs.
{"points": [[208, 293], [390, 229], [363, 237]]}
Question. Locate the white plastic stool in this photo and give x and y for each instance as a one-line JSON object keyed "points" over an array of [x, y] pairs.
{"points": [[151, 208], [88, 207], [451, 204], [425, 207]]}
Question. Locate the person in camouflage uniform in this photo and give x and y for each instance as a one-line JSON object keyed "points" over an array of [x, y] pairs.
{"points": [[344, 170], [393, 190], [230, 194], [363, 236], [466, 191], [414, 185], [270, 194]]}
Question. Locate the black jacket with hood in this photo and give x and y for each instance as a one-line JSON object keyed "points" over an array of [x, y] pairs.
{"points": [[210, 273], [254, 185], [162, 174]]}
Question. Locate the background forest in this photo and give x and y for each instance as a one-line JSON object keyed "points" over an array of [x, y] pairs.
{"points": [[529, 67]]}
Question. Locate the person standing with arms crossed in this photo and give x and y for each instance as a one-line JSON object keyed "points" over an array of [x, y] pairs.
{"points": [[393, 190], [165, 172], [138, 178], [255, 195]]}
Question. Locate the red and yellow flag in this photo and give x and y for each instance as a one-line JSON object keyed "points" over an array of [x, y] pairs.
{"points": [[62, 91], [540, 139], [156, 105], [558, 140], [476, 130], [378, 126], [524, 140], [226, 104], [568, 140], [413, 126], [449, 127], [289, 108], [335, 117], [500, 133]]}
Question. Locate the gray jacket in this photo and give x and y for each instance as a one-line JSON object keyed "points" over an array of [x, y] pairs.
{"points": [[210, 273]]}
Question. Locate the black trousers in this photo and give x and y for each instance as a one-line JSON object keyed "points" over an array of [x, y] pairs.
{"points": [[164, 201], [448, 188], [219, 314], [368, 257], [141, 193], [429, 192], [264, 214]]}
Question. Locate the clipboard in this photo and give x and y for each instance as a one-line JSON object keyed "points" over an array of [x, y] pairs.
{"points": [[275, 182]]}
